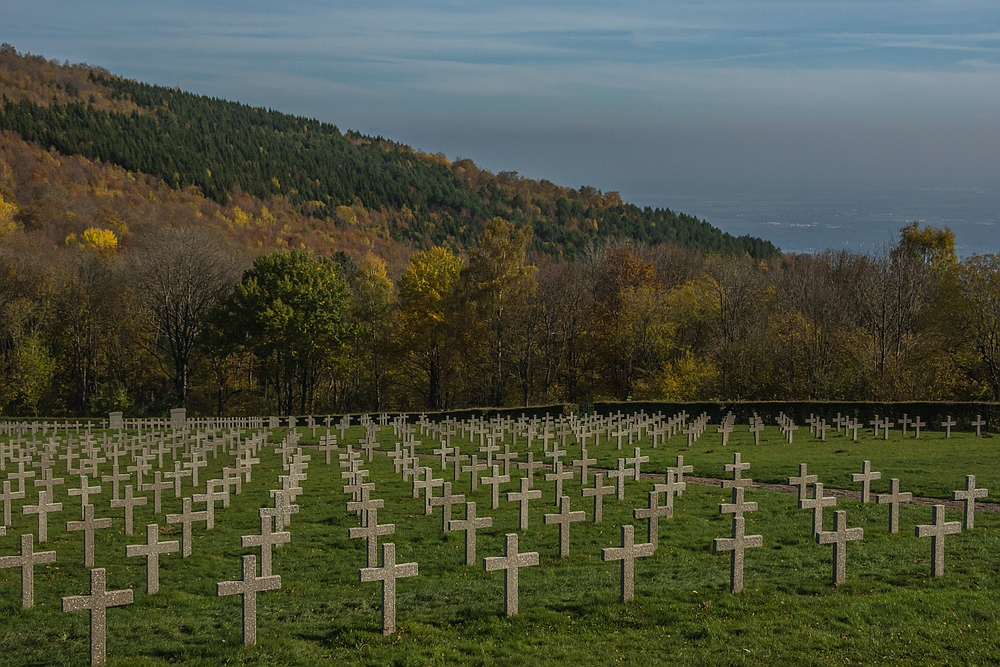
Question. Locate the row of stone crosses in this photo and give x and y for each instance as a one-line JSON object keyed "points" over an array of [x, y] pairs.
{"points": [[85, 457]]}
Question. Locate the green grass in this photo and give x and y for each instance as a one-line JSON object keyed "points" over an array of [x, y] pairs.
{"points": [[890, 611]]}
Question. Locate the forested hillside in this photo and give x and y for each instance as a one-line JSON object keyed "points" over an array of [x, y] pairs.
{"points": [[340, 178]]}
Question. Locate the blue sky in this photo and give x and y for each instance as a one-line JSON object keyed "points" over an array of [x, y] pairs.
{"points": [[649, 98]]}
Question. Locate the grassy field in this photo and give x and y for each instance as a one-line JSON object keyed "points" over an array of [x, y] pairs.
{"points": [[889, 611]]}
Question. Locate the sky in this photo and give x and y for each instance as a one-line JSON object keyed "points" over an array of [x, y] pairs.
{"points": [[666, 101]]}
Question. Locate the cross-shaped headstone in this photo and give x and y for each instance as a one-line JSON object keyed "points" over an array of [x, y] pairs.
{"points": [[653, 514], [446, 502], [248, 587], [157, 487], [470, 524], [186, 518], [979, 423], [48, 482], [530, 466], [152, 550], [936, 531], [475, 467], [598, 491], [27, 561], [116, 478], [866, 477], [85, 491], [177, 476], [969, 496], [387, 574], [8, 496], [839, 537], [584, 463], [816, 504], [803, 481], [265, 540], [44, 507], [88, 525], [627, 553], [738, 506], [495, 480], [893, 499], [559, 476], [948, 423], [370, 532], [97, 603], [637, 460], [619, 475], [739, 542], [510, 563], [523, 496], [564, 518], [130, 502], [736, 467]]}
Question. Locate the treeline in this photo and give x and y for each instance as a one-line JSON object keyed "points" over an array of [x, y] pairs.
{"points": [[225, 148], [182, 317]]}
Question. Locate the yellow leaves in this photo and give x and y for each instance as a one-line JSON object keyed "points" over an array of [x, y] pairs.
{"points": [[104, 241], [687, 378], [7, 212], [346, 215]]}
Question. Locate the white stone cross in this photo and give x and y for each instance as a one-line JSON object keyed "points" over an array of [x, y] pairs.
{"points": [[42, 509], [446, 501], [866, 477], [470, 524], [839, 537], [248, 587], [370, 532], [637, 460], [598, 491], [152, 550], [558, 476], [816, 504], [736, 467], [584, 463], [969, 496], [495, 480], [627, 553], [936, 531], [84, 492], [157, 488], [653, 514], [8, 496], [186, 518], [387, 574], [619, 476], [97, 604], [265, 540], [27, 561], [475, 467], [803, 481], [130, 502], [510, 563], [979, 423], [523, 496], [88, 525], [893, 499], [738, 506], [116, 478], [737, 544], [948, 423], [564, 518]]}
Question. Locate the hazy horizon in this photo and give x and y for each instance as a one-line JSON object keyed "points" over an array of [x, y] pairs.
{"points": [[677, 105]]}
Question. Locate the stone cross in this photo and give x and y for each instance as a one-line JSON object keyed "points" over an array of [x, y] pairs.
{"points": [[558, 476], [388, 574], [803, 481], [637, 460], [97, 604], [917, 425], [152, 550], [619, 476], [474, 467], [671, 487], [905, 422], [8, 496], [42, 509], [495, 480], [47, 481], [431, 484], [866, 477], [157, 487], [816, 504], [584, 464], [265, 540], [88, 525], [531, 465], [564, 518], [116, 478], [737, 544], [936, 531], [598, 491], [456, 460], [736, 467], [446, 501], [969, 495], [186, 518], [948, 423], [370, 532], [27, 561], [653, 514], [84, 492], [470, 524], [979, 423], [523, 496], [510, 563], [444, 450], [129, 503], [506, 457], [177, 475], [738, 506], [627, 553], [839, 537], [210, 497], [893, 499], [248, 587]]}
